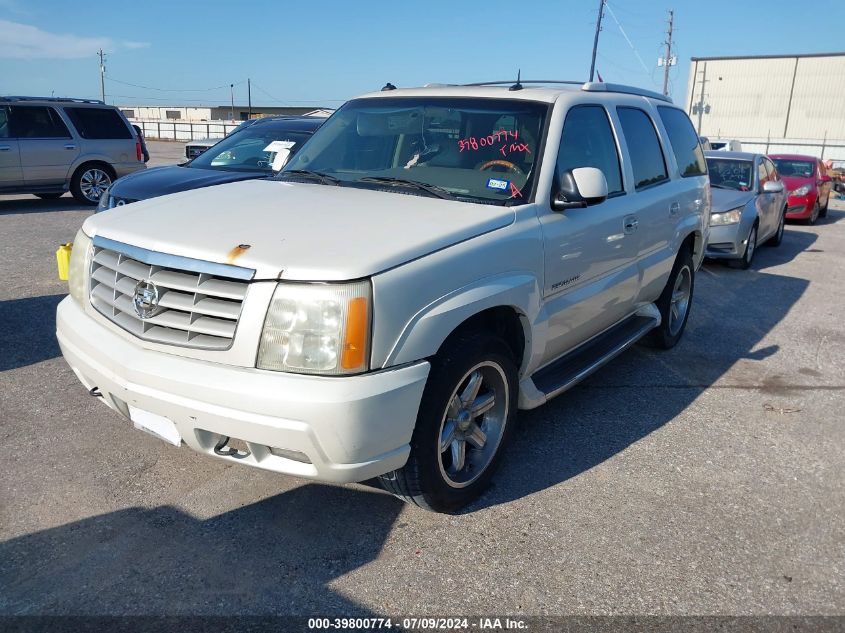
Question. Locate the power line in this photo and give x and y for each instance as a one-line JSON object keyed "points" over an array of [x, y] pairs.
{"points": [[126, 83], [627, 39]]}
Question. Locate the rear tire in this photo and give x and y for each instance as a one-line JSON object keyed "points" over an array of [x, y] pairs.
{"points": [[466, 415], [49, 196], [674, 304], [90, 181]]}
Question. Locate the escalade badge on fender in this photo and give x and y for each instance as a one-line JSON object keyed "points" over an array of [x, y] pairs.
{"points": [[145, 298]]}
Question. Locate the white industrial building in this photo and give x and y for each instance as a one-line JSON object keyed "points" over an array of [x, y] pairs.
{"points": [[772, 103], [215, 113]]}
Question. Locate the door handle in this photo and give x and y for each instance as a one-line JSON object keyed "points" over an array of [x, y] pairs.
{"points": [[674, 208], [5, 148], [630, 224], [70, 146]]}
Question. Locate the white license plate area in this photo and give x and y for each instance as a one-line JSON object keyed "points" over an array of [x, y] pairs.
{"points": [[154, 424]]}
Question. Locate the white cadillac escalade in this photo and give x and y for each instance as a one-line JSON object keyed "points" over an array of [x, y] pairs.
{"points": [[432, 260]]}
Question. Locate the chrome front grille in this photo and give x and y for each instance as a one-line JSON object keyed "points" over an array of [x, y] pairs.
{"points": [[194, 308]]}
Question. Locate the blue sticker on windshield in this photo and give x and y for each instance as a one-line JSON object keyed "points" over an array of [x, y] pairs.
{"points": [[499, 185]]}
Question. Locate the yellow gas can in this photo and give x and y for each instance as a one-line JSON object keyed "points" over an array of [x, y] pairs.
{"points": [[63, 259]]}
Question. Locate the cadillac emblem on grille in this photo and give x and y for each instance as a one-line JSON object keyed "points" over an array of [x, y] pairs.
{"points": [[145, 299]]}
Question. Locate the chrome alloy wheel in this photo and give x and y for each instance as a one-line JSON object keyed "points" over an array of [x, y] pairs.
{"points": [[473, 424], [93, 183], [679, 304]]}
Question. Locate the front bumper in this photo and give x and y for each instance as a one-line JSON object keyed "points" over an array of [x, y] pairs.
{"points": [[800, 208], [351, 428], [726, 241]]}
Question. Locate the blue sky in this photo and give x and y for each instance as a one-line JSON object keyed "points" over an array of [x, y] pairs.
{"points": [[324, 52]]}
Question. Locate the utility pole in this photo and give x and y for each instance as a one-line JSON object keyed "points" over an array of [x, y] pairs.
{"points": [[102, 57], [232, 94], [668, 62], [596, 40], [249, 97]]}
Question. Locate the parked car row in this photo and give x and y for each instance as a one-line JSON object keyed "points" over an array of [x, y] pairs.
{"points": [[376, 296], [753, 195]]}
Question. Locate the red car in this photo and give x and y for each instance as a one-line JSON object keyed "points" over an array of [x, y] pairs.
{"points": [[808, 183]]}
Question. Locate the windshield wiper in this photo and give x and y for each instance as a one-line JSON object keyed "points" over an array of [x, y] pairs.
{"points": [[323, 179], [412, 184]]}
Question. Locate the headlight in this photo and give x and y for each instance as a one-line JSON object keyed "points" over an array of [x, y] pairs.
{"points": [[317, 329], [801, 191], [728, 217], [78, 271], [106, 201]]}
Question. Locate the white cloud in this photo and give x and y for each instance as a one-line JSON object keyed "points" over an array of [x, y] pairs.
{"points": [[23, 41]]}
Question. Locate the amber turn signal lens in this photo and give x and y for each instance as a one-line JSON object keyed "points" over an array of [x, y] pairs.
{"points": [[355, 341]]}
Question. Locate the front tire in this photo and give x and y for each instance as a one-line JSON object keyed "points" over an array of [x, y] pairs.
{"points": [[465, 418], [674, 304], [815, 214], [823, 210], [750, 250], [90, 181], [777, 238]]}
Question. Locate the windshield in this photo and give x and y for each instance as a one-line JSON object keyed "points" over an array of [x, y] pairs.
{"points": [[480, 150], [250, 149], [728, 173], [799, 168]]}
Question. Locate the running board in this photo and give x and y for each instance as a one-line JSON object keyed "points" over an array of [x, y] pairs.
{"points": [[575, 366]]}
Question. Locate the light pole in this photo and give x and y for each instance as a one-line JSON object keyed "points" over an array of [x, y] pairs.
{"points": [[232, 94]]}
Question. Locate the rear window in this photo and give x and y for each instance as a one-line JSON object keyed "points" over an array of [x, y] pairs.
{"points": [[684, 142], [646, 155], [98, 123]]}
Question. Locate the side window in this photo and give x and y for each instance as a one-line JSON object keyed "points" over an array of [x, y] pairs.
{"points": [[98, 123], [770, 170], [684, 141], [5, 132], [647, 159], [762, 174], [587, 141], [37, 122]]}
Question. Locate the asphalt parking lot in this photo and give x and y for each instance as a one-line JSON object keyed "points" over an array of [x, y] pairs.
{"points": [[709, 479]]}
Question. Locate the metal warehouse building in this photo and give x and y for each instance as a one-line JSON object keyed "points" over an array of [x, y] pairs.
{"points": [[772, 103]]}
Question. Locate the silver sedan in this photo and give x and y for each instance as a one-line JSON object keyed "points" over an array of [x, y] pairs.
{"points": [[748, 205]]}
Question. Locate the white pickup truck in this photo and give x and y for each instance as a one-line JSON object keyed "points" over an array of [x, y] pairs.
{"points": [[432, 260]]}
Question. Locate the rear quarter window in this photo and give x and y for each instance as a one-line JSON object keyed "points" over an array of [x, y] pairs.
{"points": [[98, 123], [684, 141]]}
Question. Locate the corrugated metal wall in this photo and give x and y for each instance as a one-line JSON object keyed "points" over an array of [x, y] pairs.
{"points": [[794, 104]]}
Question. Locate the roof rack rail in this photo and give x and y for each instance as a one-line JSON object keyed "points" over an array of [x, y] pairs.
{"points": [[509, 82], [52, 99], [595, 86]]}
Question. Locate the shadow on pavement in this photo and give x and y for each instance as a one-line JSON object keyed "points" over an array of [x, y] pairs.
{"points": [[28, 331], [276, 556], [30, 204], [644, 389]]}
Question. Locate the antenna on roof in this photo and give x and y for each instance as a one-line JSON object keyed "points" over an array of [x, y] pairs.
{"points": [[517, 85], [388, 86]]}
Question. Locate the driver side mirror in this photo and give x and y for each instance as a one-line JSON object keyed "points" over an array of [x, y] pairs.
{"points": [[579, 188], [772, 186], [281, 159]]}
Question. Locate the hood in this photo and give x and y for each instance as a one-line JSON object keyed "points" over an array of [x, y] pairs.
{"points": [[793, 182], [300, 231], [161, 181], [727, 199]]}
